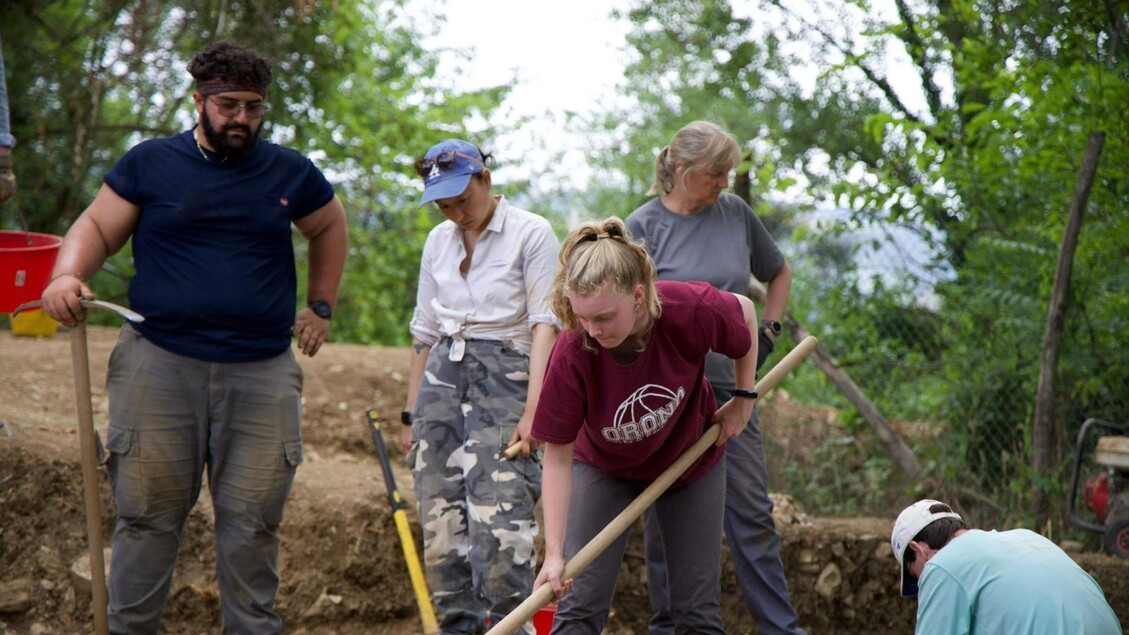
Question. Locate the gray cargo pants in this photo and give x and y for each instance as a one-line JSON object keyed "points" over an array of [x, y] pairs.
{"points": [[172, 417]]}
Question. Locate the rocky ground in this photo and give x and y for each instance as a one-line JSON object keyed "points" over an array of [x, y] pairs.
{"points": [[342, 567]]}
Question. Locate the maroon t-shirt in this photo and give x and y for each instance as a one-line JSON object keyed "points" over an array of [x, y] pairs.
{"points": [[632, 421]]}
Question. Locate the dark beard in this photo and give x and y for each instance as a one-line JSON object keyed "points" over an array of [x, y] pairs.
{"points": [[225, 145]]}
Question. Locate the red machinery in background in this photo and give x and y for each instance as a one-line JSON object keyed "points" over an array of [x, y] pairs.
{"points": [[1106, 494]]}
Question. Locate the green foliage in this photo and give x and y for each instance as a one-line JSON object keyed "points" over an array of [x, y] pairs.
{"points": [[353, 89], [978, 144], [976, 148], [843, 476]]}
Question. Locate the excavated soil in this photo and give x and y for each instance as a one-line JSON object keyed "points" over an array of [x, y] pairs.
{"points": [[341, 563]]}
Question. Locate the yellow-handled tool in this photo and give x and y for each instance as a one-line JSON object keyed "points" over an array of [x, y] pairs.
{"points": [[415, 571]]}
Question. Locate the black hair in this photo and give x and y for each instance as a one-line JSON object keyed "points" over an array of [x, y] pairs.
{"points": [[487, 162]]}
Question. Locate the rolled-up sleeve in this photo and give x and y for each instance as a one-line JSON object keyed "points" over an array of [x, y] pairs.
{"points": [[425, 323], [540, 269]]}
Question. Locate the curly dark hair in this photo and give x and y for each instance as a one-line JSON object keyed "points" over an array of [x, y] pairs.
{"points": [[232, 62]]}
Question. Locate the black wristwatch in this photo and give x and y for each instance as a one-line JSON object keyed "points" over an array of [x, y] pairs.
{"points": [[773, 325], [406, 417], [321, 309]]}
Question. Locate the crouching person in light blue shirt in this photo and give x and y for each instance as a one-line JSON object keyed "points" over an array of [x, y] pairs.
{"points": [[969, 581]]}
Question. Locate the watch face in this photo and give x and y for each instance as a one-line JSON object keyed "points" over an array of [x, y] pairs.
{"points": [[321, 309]]}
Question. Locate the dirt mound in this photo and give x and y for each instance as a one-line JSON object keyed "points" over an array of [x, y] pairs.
{"points": [[341, 564]]}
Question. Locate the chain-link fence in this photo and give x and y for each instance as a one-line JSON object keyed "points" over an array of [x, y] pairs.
{"points": [[952, 379]]}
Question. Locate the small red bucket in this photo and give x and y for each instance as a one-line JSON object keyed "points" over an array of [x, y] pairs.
{"points": [[26, 261], [543, 619]]}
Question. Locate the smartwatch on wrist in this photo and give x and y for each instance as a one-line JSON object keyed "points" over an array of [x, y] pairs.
{"points": [[406, 417], [321, 309], [773, 326]]}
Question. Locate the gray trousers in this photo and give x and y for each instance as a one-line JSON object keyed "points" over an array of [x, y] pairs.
{"points": [[754, 543], [475, 506], [688, 519], [172, 417]]}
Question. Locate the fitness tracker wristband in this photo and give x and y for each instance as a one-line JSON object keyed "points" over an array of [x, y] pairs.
{"points": [[747, 394], [406, 417]]}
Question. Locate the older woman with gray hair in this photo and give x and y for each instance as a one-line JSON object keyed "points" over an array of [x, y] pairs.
{"points": [[693, 216]]}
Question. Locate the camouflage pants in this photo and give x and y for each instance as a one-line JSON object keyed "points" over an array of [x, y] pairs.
{"points": [[475, 506]]}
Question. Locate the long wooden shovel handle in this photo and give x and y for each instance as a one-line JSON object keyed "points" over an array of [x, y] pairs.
{"points": [[544, 594]]}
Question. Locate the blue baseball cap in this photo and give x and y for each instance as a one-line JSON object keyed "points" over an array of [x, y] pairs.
{"points": [[447, 168]]}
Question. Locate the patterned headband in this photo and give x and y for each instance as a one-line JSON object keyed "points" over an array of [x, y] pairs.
{"points": [[221, 85]]}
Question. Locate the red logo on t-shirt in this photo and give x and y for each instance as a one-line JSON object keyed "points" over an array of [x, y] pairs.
{"points": [[643, 414]]}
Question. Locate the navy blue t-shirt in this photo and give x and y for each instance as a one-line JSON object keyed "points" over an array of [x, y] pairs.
{"points": [[215, 267]]}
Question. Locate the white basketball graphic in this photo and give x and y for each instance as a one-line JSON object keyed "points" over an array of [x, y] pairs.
{"points": [[642, 414]]}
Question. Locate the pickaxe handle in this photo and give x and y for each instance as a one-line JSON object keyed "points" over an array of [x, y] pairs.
{"points": [[544, 594], [92, 502], [132, 316]]}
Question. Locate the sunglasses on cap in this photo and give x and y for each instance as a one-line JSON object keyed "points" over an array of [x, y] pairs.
{"points": [[443, 160]]}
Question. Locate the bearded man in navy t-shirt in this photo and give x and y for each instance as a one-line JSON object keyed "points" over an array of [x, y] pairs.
{"points": [[208, 384]]}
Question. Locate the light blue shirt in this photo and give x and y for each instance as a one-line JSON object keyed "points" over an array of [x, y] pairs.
{"points": [[1009, 583]]}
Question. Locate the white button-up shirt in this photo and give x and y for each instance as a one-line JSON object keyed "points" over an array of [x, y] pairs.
{"points": [[503, 295]]}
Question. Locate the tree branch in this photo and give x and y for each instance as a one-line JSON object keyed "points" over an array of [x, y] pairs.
{"points": [[919, 52], [856, 60]]}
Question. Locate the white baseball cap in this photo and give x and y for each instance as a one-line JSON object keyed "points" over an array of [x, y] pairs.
{"points": [[910, 523]]}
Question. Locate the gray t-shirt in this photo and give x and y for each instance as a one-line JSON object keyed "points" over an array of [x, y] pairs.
{"points": [[720, 245]]}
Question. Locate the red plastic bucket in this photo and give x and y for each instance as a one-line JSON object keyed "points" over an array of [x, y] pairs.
{"points": [[26, 261], [543, 619]]}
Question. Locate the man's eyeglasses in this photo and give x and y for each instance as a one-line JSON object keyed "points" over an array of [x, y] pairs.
{"points": [[231, 107], [444, 160]]}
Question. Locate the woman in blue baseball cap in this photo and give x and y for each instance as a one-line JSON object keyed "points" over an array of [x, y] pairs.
{"points": [[482, 332]]}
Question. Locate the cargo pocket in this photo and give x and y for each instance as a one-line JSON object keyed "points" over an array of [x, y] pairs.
{"points": [[293, 452], [123, 462], [118, 442], [100, 453]]}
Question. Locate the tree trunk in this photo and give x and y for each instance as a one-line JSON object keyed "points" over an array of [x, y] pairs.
{"points": [[897, 446], [1043, 425]]}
